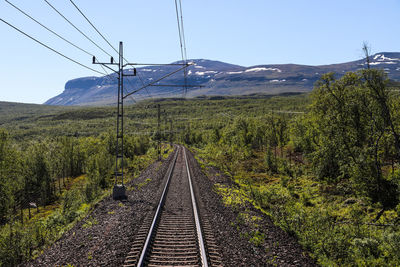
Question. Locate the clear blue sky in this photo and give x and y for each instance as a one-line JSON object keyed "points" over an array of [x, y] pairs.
{"points": [[312, 32]]}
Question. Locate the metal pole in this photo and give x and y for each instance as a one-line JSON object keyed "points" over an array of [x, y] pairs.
{"points": [[121, 69], [170, 132], [117, 130], [119, 191], [159, 132]]}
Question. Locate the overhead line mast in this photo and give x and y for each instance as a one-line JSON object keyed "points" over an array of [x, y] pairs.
{"points": [[119, 190]]}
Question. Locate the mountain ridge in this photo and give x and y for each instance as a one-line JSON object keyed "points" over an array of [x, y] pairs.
{"points": [[216, 78]]}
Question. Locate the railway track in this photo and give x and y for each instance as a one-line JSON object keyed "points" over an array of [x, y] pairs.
{"points": [[175, 234]]}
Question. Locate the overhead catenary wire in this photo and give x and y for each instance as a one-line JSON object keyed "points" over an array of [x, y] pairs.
{"points": [[143, 85], [179, 30], [156, 81], [183, 31], [76, 28], [94, 27], [130, 96], [181, 41], [52, 49], [102, 36], [171, 93], [53, 32], [156, 95], [45, 27], [141, 80], [108, 42]]}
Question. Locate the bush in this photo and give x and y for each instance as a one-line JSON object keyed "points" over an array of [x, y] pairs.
{"points": [[73, 199]]}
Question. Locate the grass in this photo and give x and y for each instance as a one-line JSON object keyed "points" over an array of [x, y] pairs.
{"points": [[90, 222]]}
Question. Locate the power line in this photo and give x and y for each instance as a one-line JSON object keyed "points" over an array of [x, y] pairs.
{"points": [[102, 36], [105, 39], [59, 36], [183, 32], [156, 81], [94, 27], [141, 80], [48, 47], [181, 40], [179, 29], [130, 96], [163, 94], [77, 28], [53, 32], [56, 34]]}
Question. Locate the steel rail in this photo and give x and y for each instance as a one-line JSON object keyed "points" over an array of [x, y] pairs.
{"points": [[157, 214], [203, 255]]}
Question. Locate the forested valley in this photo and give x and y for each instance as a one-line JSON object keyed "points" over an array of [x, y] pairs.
{"points": [[324, 165]]}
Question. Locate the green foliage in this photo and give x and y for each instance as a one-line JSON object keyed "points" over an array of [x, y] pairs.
{"points": [[90, 222], [72, 201], [35, 173], [271, 161], [354, 120]]}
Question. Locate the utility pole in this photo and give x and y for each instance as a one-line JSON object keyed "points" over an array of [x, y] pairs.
{"points": [[170, 132], [159, 131], [119, 190], [165, 126]]}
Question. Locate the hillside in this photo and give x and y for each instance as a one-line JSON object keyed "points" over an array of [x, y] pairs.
{"points": [[30, 121], [217, 78]]}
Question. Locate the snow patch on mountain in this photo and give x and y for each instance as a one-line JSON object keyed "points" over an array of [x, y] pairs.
{"points": [[378, 63], [205, 72], [234, 72], [380, 57], [263, 69]]}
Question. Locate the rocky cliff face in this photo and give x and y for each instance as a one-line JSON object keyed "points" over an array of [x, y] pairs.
{"points": [[216, 78]]}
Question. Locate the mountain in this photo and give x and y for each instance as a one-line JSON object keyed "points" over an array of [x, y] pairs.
{"points": [[216, 78]]}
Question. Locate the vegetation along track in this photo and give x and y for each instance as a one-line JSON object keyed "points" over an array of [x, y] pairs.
{"points": [[176, 234]]}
